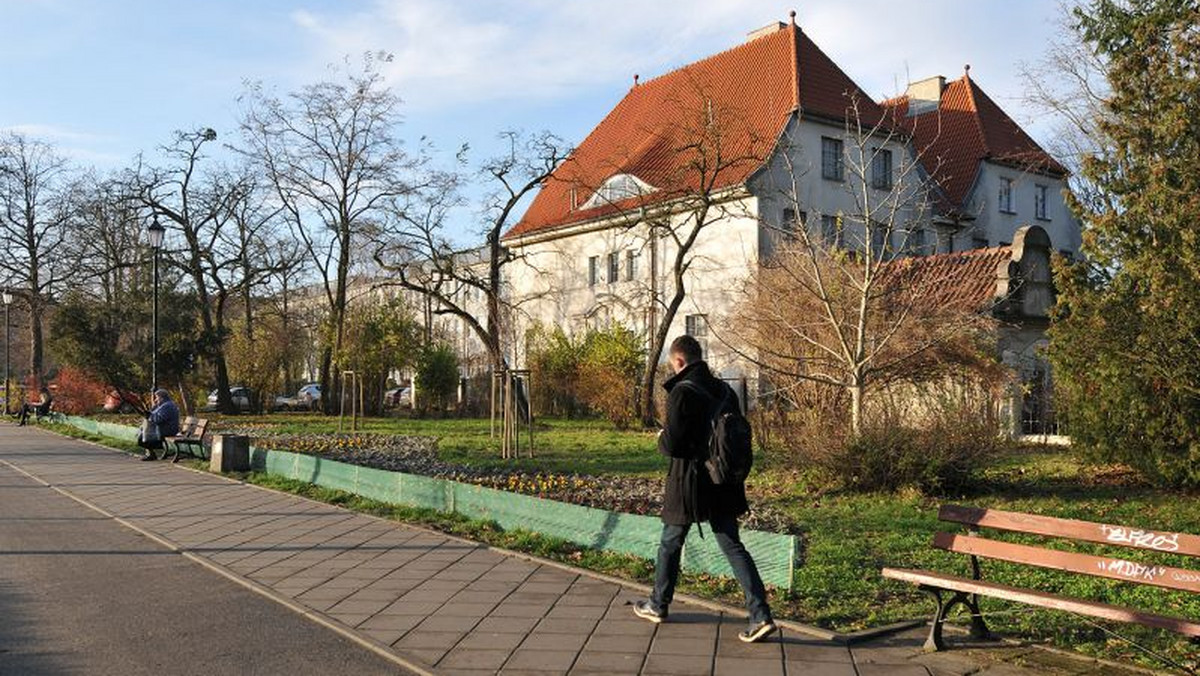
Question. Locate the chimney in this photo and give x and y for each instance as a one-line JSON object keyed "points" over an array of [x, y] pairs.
{"points": [[773, 27], [925, 95]]}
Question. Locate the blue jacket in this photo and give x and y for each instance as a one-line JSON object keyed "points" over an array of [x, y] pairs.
{"points": [[166, 416]]}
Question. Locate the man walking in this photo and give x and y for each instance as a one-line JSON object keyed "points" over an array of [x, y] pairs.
{"points": [[693, 396]]}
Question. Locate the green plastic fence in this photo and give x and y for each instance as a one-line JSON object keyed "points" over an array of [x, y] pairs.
{"points": [[634, 534]]}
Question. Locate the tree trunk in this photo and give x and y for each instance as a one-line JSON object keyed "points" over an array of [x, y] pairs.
{"points": [[856, 407], [657, 345], [36, 358], [326, 404]]}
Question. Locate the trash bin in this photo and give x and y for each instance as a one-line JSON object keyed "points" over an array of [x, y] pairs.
{"points": [[230, 453]]}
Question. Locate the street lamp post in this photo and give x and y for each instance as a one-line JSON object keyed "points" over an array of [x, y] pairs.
{"points": [[156, 232], [6, 295]]}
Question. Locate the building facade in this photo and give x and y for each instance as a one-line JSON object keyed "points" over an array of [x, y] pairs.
{"points": [[761, 139]]}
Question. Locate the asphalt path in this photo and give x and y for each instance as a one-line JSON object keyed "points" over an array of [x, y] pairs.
{"points": [[82, 594]]}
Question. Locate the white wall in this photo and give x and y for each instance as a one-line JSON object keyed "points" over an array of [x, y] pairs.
{"points": [[550, 278], [998, 227]]}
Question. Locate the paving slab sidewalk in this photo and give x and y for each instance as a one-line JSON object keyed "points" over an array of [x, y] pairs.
{"points": [[440, 605]]}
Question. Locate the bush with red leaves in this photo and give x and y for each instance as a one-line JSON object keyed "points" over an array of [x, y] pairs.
{"points": [[76, 392]]}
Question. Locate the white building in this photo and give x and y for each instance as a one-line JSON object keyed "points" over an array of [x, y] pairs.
{"points": [[584, 251]]}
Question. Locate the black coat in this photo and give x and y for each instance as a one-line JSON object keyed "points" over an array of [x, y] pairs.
{"points": [[684, 439]]}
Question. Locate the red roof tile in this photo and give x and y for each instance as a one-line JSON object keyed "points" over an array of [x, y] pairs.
{"points": [[960, 281], [753, 87], [965, 129]]}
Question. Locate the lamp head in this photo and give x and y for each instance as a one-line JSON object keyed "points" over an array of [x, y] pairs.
{"points": [[156, 232], [6, 296]]}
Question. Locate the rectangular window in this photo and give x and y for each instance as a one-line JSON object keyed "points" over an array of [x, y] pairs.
{"points": [[1039, 202], [614, 267], [631, 265], [832, 165], [593, 270], [1005, 200], [789, 225], [696, 326], [831, 230], [881, 170]]}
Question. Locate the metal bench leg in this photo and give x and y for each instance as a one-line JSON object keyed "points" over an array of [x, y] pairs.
{"points": [[979, 630], [935, 643]]}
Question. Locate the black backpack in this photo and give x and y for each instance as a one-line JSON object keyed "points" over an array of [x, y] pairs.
{"points": [[730, 444]]}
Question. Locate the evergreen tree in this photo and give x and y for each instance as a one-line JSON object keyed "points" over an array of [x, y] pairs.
{"points": [[1126, 346]]}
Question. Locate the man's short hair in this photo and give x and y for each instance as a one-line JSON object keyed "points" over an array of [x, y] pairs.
{"points": [[687, 346]]}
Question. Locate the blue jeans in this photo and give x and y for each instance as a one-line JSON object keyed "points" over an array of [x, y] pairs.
{"points": [[670, 549]]}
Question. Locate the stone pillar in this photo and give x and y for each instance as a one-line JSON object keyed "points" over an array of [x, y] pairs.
{"points": [[230, 453]]}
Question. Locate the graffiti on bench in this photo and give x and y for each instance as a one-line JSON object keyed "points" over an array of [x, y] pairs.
{"points": [[1163, 542]]}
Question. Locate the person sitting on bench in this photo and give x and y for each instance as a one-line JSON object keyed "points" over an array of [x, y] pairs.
{"points": [[165, 415], [41, 409]]}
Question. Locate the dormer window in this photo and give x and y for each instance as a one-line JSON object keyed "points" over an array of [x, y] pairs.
{"points": [[617, 188]]}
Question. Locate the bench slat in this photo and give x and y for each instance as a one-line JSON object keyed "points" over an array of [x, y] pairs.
{"points": [[1086, 564], [1044, 600], [1087, 531]]}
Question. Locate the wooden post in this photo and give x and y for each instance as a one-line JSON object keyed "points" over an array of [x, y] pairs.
{"points": [[492, 403]]}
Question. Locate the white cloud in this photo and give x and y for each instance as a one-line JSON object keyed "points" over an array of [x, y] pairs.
{"points": [[50, 132], [456, 52], [81, 146]]}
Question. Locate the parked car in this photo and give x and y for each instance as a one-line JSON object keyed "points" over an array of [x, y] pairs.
{"points": [[240, 395], [397, 397], [309, 396]]}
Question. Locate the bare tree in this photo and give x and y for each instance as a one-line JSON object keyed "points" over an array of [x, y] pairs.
{"points": [[331, 153], [425, 262], [1068, 85], [106, 239], [841, 301], [223, 229], [33, 215], [708, 143]]}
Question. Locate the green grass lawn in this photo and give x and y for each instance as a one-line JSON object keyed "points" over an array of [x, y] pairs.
{"points": [[560, 446], [849, 537]]}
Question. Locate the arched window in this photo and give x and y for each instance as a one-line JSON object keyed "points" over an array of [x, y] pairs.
{"points": [[616, 188]]}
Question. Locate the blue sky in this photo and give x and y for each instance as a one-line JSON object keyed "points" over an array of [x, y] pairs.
{"points": [[105, 79]]}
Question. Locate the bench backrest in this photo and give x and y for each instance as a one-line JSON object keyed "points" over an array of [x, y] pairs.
{"points": [[199, 429], [186, 428], [1072, 529]]}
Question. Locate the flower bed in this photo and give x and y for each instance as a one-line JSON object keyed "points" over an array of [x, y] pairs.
{"points": [[418, 455]]}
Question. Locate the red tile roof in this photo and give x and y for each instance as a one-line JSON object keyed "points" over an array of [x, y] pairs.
{"points": [[960, 281], [965, 129], [753, 88]]}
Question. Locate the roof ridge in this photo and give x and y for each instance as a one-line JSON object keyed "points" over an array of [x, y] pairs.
{"points": [[795, 62], [983, 139], [741, 45]]}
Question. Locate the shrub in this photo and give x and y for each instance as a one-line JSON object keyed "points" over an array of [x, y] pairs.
{"points": [[77, 393], [938, 454], [932, 437], [437, 377], [598, 374], [554, 362], [609, 368]]}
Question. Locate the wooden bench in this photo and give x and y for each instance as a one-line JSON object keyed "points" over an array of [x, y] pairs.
{"points": [[966, 591], [191, 435]]}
